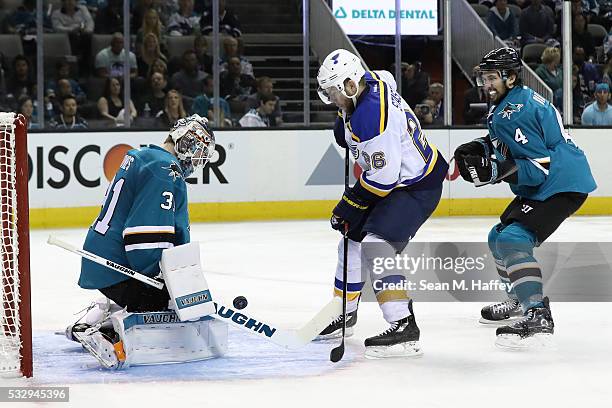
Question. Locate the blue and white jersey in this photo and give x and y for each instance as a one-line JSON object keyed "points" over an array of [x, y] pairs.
{"points": [[528, 129], [386, 139], [144, 212]]}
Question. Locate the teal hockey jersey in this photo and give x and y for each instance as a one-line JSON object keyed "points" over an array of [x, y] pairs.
{"points": [[144, 212], [528, 128]]}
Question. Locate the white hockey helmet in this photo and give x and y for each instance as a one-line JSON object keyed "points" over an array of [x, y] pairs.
{"points": [[337, 67], [194, 142]]}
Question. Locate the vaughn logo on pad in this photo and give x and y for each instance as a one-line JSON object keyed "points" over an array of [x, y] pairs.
{"points": [[193, 299]]}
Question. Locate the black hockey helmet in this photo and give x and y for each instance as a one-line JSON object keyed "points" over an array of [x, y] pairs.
{"points": [[504, 60]]}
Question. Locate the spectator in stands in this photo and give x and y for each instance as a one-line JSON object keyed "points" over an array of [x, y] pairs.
{"points": [[185, 21], [149, 53], [588, 75], [110, 60], [56, 96], [424, 111], [607, 71], [262, 116], [203, 104], [173, 110], [581, 37], [72, 18], [605, 14], [265, 87], [21, 81], [230, 49], [110, 104], [578, 98], [164, 10], [158, 66], [188, 81], [109, 19], [23, 20], [200, 46], [236, 87], [436, 94], [549, 70], [76, 21], [68, 118], [154, 96], [228, 21], [63, 71], [536, 23], [415, 83], [26, 108], [151, 24], [599, 113], [501, 21]]}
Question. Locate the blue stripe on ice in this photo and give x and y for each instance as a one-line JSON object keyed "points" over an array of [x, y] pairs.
{"points": [[60, 361]]}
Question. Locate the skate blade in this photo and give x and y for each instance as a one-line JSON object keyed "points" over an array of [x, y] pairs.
{"points": [[104, 353], [499, 323], [335, 335], [515, 342], [408, 349]]}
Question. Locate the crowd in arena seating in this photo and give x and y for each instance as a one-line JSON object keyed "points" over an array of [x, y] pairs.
{"points": [[170, 65], [534, 27]]}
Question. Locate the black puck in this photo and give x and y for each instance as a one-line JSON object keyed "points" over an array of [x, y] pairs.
{"points": [[240, 302]]}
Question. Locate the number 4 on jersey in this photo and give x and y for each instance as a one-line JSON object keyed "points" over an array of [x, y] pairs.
{"points": [[519, 137]]}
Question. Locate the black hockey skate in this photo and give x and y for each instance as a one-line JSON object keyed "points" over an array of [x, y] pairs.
{"points": [[501, 313], [399, 340], [535, 329], [334, 330]]}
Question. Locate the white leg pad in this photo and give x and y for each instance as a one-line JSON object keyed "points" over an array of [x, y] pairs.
{"points": [[162, 338], [184, 278]]}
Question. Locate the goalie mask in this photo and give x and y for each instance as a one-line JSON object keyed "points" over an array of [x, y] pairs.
{"points": [[337, 67], [194, 143]]}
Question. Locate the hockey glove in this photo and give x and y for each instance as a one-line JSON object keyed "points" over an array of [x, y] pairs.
{"points": [[351, 209], [484, 170], [478, 147]]}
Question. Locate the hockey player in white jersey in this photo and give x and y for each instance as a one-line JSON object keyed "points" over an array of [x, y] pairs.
{"points": [[398, 190]]}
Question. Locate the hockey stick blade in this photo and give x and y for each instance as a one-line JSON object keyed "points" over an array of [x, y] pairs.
{"points": [[290, 339], [337, 353]]}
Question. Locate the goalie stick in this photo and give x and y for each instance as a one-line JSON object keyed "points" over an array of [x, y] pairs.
{"points": [[290, 339]]}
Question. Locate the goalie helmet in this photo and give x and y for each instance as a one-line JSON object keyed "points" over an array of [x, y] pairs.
{"points": [[194, 143], [505, 60], [337, 67]]}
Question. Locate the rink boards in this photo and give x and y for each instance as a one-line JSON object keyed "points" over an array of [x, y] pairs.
{"points": [[258, 175]]}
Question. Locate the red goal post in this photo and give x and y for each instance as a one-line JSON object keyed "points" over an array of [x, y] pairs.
{"points": [[15, 313]]}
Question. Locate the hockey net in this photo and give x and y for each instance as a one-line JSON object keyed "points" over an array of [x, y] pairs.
{"points": [[15, 320]]}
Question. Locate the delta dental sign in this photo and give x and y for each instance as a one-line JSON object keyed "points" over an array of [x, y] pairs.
{"points": [[366, 17]]}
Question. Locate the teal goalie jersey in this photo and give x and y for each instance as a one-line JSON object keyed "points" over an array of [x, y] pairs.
{"points": [[144, 212], [528, 129]]}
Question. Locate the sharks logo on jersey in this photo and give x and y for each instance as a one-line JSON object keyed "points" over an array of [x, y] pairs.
{"points": [[174, 171], [509, 109]]}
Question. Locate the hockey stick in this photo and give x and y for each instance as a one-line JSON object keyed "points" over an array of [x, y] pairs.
{"points": [[290, 339], [478, 183], [337, 352], [105, 262]]}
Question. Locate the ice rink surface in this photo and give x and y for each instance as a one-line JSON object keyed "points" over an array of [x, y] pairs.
{"points": [[286, 269]]}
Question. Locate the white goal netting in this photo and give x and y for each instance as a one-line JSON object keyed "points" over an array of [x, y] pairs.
{"points": [[10, 339]]}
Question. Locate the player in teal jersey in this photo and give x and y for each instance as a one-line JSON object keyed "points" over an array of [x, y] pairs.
{"points": [[528, 148], [144, 212]]}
